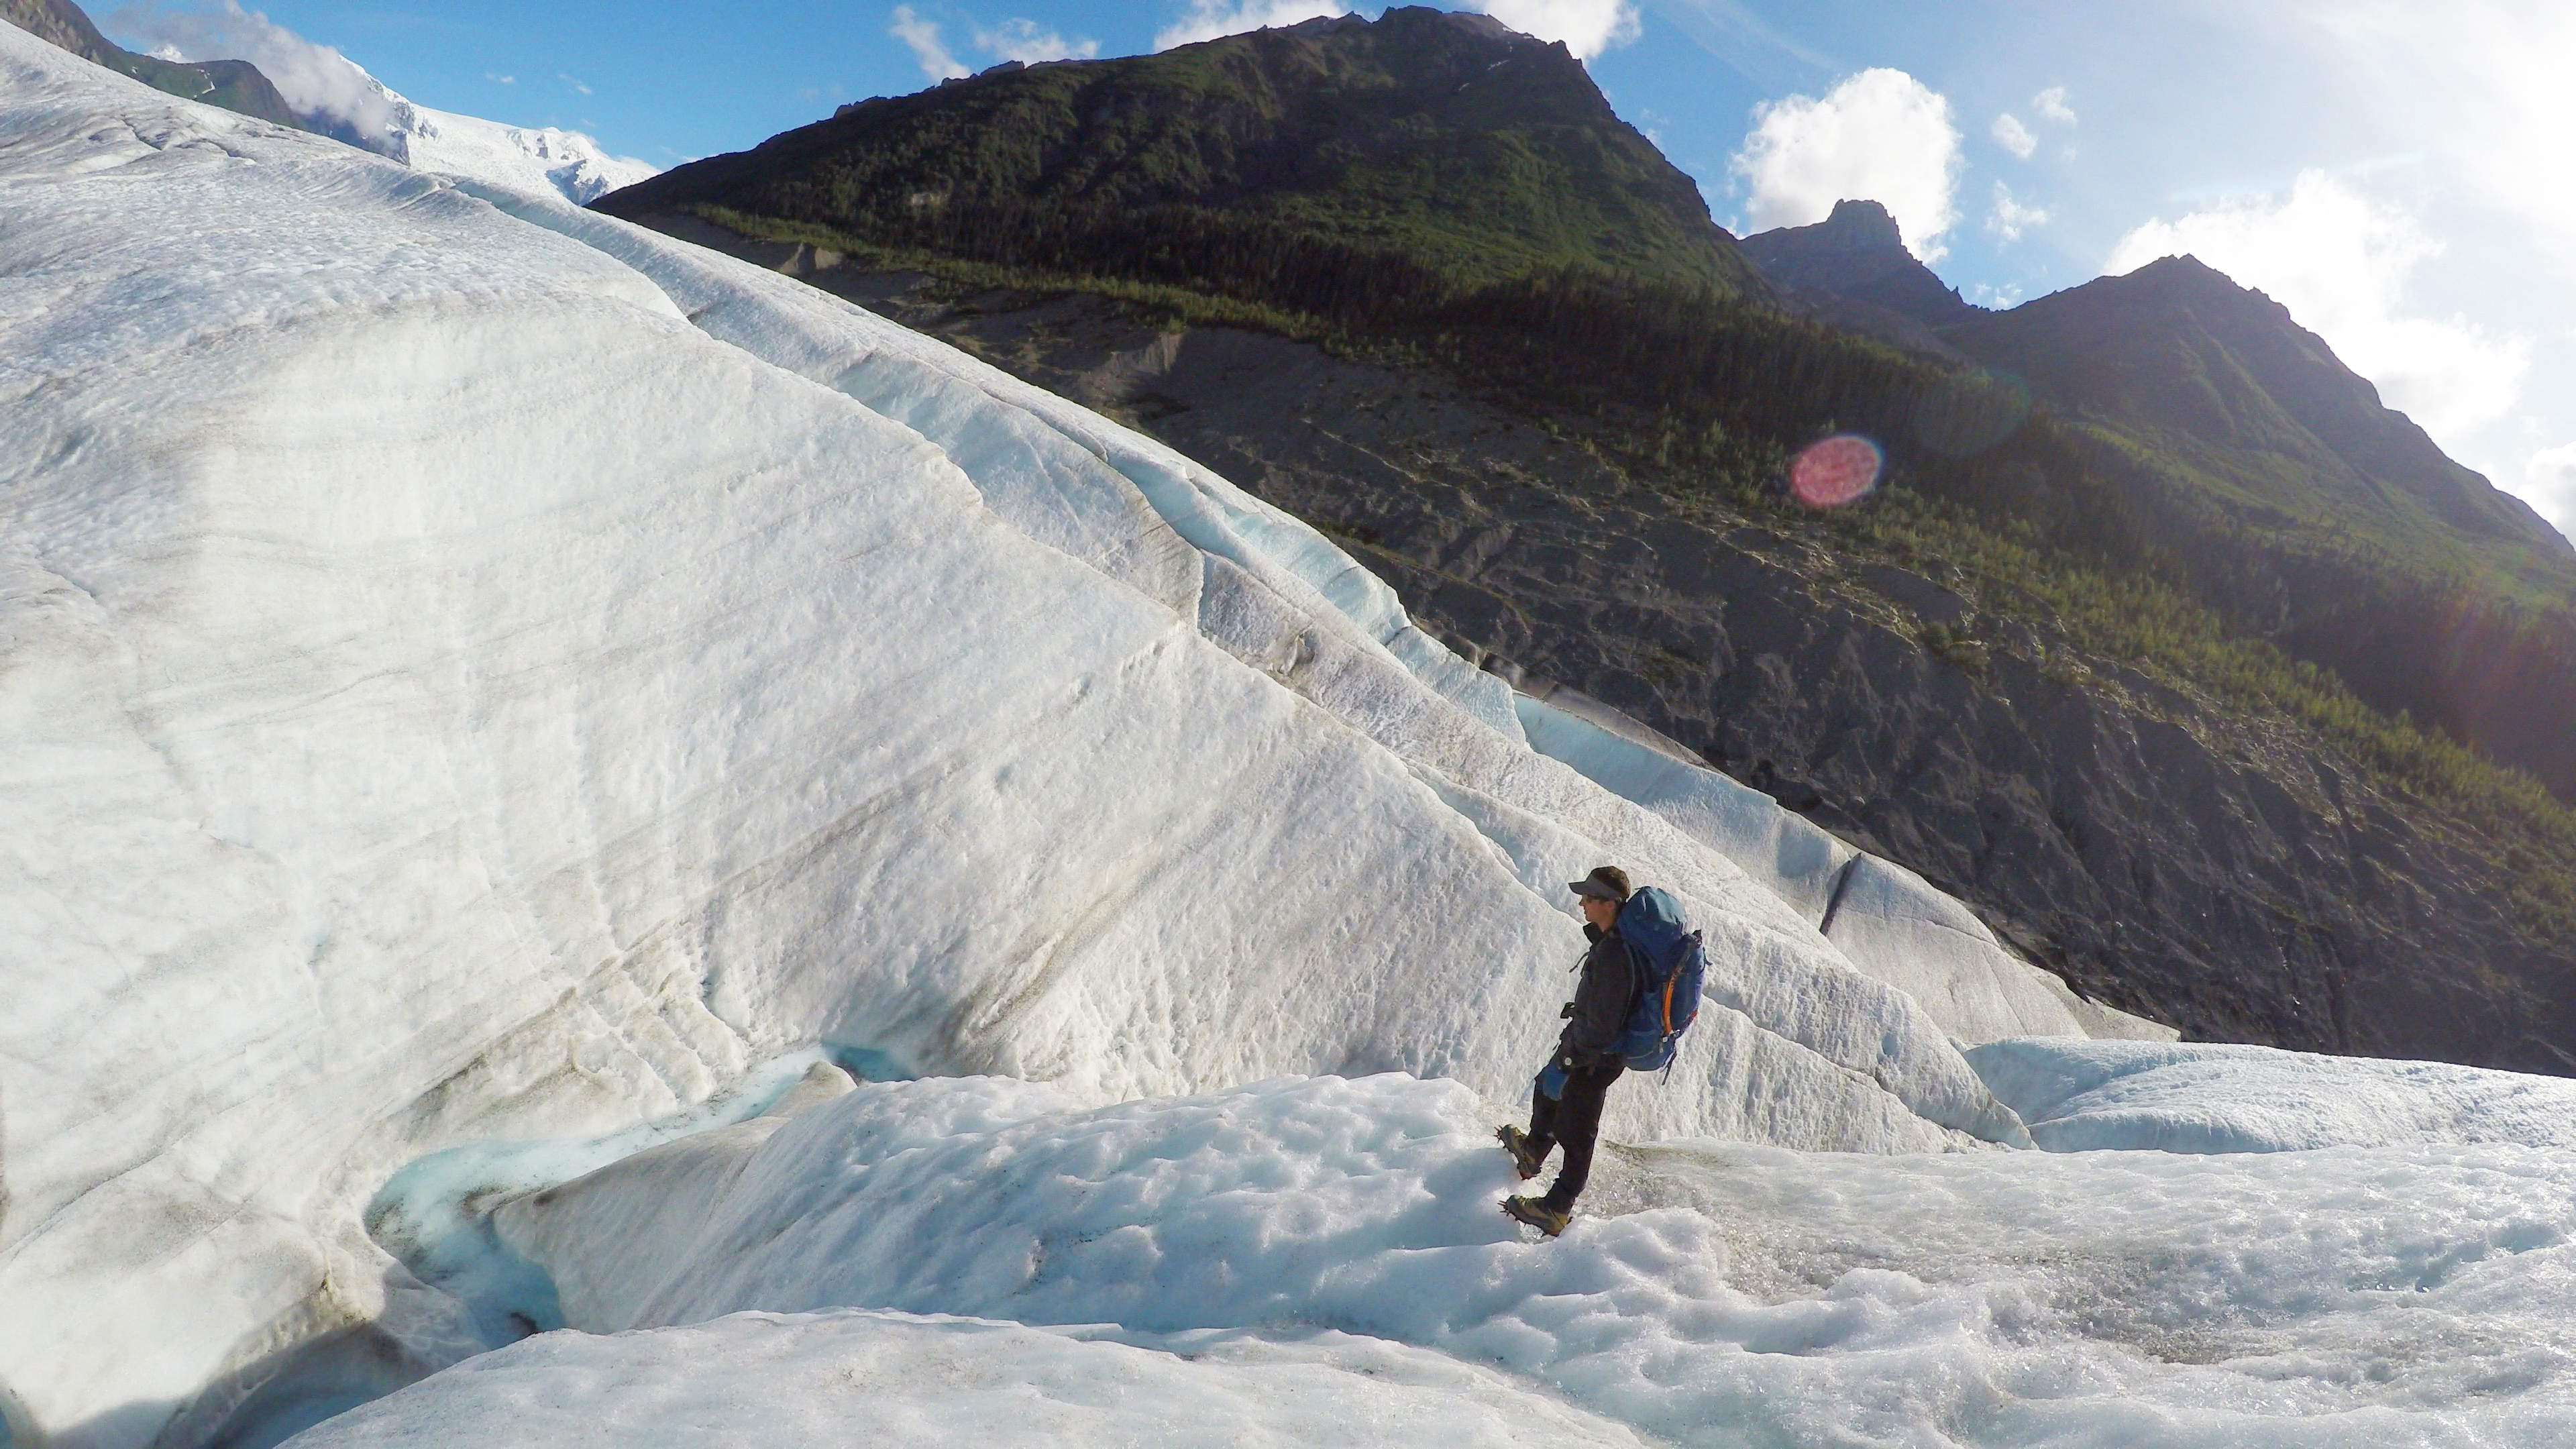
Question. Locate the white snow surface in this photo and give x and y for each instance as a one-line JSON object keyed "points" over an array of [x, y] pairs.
{"points": [[2080, 1096], [816, 1381], [528, 158], [1713, 1294]]}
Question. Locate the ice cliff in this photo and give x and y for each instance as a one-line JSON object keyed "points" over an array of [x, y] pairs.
{"points": [[474, 672]]}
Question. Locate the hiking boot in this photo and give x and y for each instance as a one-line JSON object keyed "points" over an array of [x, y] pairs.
{"points": [[1524, 1160], [1536, 1212]]}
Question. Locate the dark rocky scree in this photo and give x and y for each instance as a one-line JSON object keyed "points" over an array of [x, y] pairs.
{"points": [[2155, 854]]}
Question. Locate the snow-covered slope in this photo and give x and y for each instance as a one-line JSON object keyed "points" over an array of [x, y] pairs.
{"points": [[529, 158]]}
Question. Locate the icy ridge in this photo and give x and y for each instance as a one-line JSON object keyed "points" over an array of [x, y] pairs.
{"points": [[2210, 1097]]}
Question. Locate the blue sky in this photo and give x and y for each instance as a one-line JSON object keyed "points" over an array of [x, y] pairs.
{"points": [[2400, 173]]}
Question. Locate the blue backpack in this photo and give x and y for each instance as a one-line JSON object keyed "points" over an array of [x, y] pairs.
{"points": [[1671, 963]]}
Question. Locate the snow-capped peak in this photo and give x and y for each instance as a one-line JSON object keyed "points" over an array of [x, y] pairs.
{"points": [[332, 94], [525, 158]]}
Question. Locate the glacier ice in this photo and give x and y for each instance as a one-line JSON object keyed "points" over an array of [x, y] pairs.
{"points": [[1713, 1293], [814, 1381], [2082, 1096], [481, 680]]}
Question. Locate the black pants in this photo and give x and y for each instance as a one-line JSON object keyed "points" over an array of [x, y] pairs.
{"points": [[1573, 1122]]}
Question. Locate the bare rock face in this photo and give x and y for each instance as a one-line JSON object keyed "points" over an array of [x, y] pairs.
{"points": [[2160, 859], [1853, 268]]}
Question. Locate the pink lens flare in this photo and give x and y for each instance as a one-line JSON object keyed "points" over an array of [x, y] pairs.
{"points": [[1837, 472]]}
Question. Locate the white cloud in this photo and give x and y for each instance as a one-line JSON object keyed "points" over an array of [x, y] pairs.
{"points": [[1878, 136], [1208, 19], [500, 80], [568, 80], [315, 79], [2485, 81], [2000, 299], [2011, 218], [2549, 484], [1588, 27], [927, 48], [1025, 42], [2051, 105], [2015, 137], [2339, 260]]}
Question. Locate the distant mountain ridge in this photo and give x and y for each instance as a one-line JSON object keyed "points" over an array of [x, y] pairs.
{"points": [[2292, 495], [235, 85], [1444, 146], [2178, 347], [2180, 350], [531, 158]]}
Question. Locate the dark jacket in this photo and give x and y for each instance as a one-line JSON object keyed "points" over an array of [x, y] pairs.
{"points": [[1601, 999]]}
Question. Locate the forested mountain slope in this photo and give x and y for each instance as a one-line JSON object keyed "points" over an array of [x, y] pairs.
{"points": [[1329, 165], [2274, 483]]}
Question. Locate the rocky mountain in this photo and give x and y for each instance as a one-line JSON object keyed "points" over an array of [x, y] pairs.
{"points": [[2281, 486], [1852, 271], [1425, 150], [2032, 667], [2178, 357], [235, 85], [2347, 532]]}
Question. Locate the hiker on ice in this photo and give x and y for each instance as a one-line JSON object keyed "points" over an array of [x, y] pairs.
{"points": [[1639, 989]]}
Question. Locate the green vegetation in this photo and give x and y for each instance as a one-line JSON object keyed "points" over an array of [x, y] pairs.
{"points": [[1334, 171], [2088, 614], [232, 84]]}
